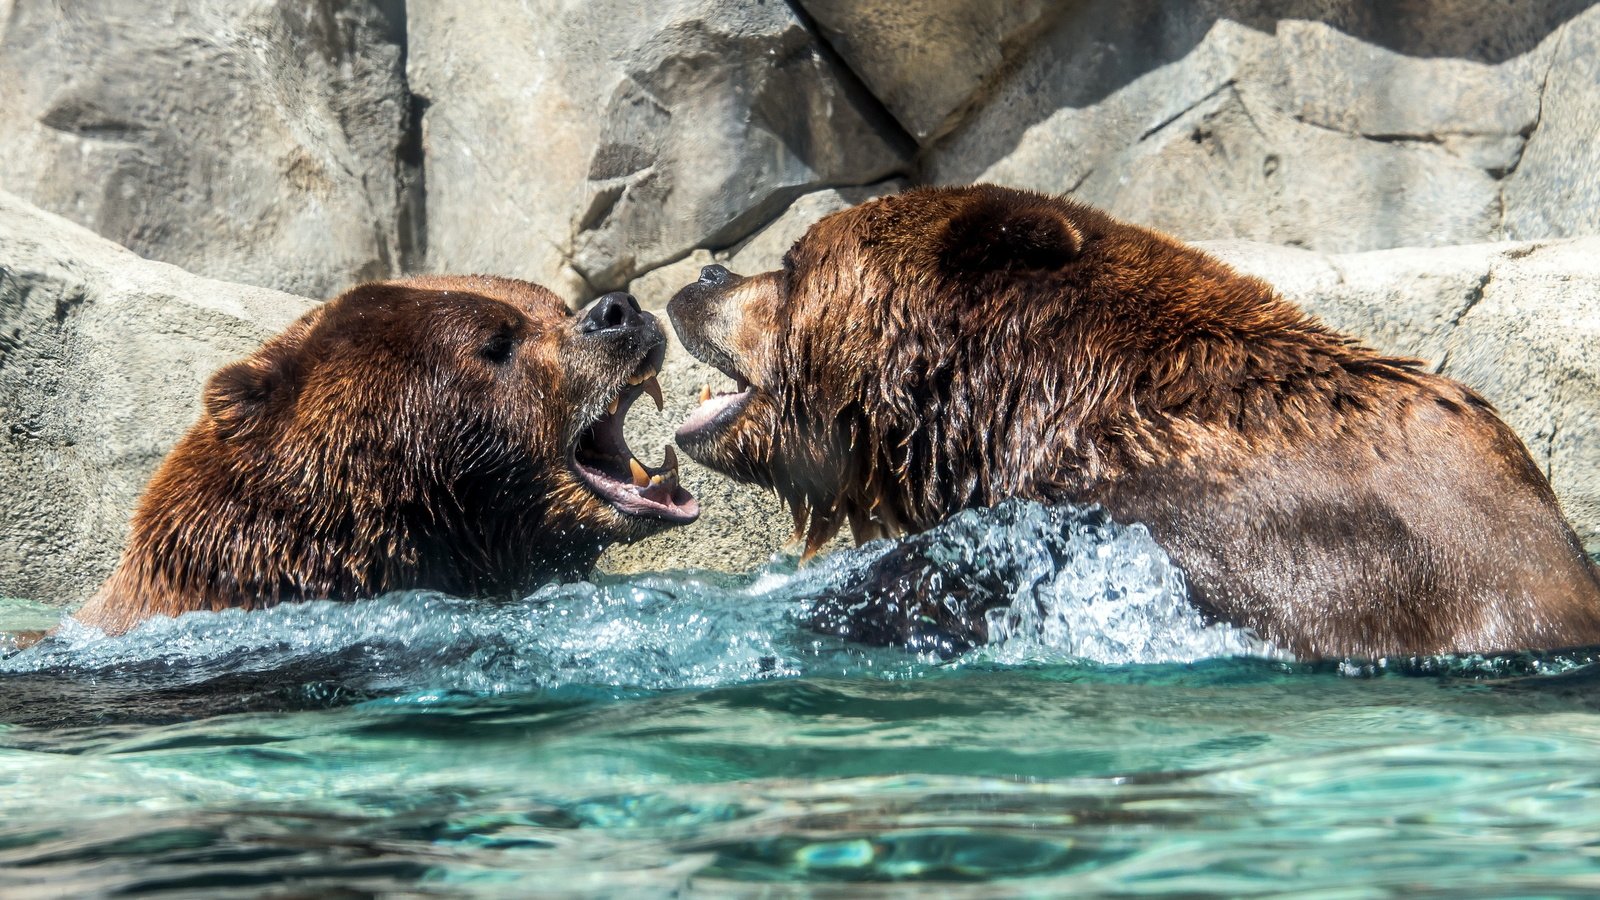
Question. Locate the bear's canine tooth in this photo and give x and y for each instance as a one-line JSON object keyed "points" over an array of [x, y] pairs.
{"points": [[705, 393], [653, 388], [612, 409], [641, 478]]}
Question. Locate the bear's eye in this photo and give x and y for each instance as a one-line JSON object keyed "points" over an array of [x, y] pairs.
{"points": [[498, 348]]}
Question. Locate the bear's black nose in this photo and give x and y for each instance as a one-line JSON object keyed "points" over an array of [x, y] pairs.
{"points": [[617, 309], [714, 274]]}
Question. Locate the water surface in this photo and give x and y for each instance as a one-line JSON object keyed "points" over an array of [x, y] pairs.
{"points": [[683, 734]]}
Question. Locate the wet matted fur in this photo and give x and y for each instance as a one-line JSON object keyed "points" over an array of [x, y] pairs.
{"points": [[407, 434], [951, 347]]}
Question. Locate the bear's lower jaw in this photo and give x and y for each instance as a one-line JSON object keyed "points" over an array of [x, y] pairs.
{"points": [[645, 491], [604, 463], [714, 413]]}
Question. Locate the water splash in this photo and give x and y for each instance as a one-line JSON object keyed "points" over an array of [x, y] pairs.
{"points": [[1083, 587], [1074, 587]]}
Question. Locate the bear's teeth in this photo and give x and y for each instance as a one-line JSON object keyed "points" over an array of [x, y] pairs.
{"points": [[612, 409], [705, 393], [641, 377], [653, 388], [641, 478]]}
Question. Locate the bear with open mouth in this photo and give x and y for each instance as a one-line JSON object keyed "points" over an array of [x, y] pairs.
{"points": [[458, 434], [948, 348]]}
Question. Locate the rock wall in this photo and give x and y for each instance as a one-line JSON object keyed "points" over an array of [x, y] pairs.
{"points": [[593, 140], [1338, 126], [261, 141], [102, 358], [587, 143]]}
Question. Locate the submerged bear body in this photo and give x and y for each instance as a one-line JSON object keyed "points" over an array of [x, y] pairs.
{"points": [[949, 348], [443, 433]]}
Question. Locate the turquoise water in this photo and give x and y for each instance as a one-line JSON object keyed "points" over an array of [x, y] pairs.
{"points": [[681, 734]]}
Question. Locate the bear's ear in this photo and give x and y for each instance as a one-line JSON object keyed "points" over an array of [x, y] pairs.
{"points": [[1005, 231], [239, 395]]}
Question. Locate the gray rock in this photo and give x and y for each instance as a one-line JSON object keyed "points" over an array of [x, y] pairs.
{"points": [[654, 288], [1335, 81], [1232, 167], [1329, 125], [1520, 323], [102, 359], [927, 60], [1555, 191], [256, 141], [591, 142]]}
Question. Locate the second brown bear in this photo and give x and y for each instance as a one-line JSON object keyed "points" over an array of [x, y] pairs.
{"points": [[947, 348]]}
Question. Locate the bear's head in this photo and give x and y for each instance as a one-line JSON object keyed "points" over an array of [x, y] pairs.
{"points": [[876, 372], [458, 433]]}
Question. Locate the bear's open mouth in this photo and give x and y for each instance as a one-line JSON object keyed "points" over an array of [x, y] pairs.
{"points": [[602, 459], [717, 409]]}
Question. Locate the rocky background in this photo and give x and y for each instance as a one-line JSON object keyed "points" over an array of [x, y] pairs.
{"points": [[303, 145]]}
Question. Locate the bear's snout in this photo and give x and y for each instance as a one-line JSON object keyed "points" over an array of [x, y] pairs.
{"points": [[616, 322], [704, 317]]}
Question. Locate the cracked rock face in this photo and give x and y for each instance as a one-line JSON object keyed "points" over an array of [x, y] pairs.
{"points": [[1555, 192], [1335, 126], [254, 140], [593, 141], [101, 369], [928, 60]]}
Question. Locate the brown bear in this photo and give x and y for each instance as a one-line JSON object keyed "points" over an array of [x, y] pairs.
{"points": [[459, 434], [950, 347]]}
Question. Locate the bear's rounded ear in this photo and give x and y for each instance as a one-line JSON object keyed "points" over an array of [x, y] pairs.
{"points": [[1009, 231], [240, 394]]}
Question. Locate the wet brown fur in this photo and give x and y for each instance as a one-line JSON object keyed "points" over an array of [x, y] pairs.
{"points": [[948, 348], [407, 434]]}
